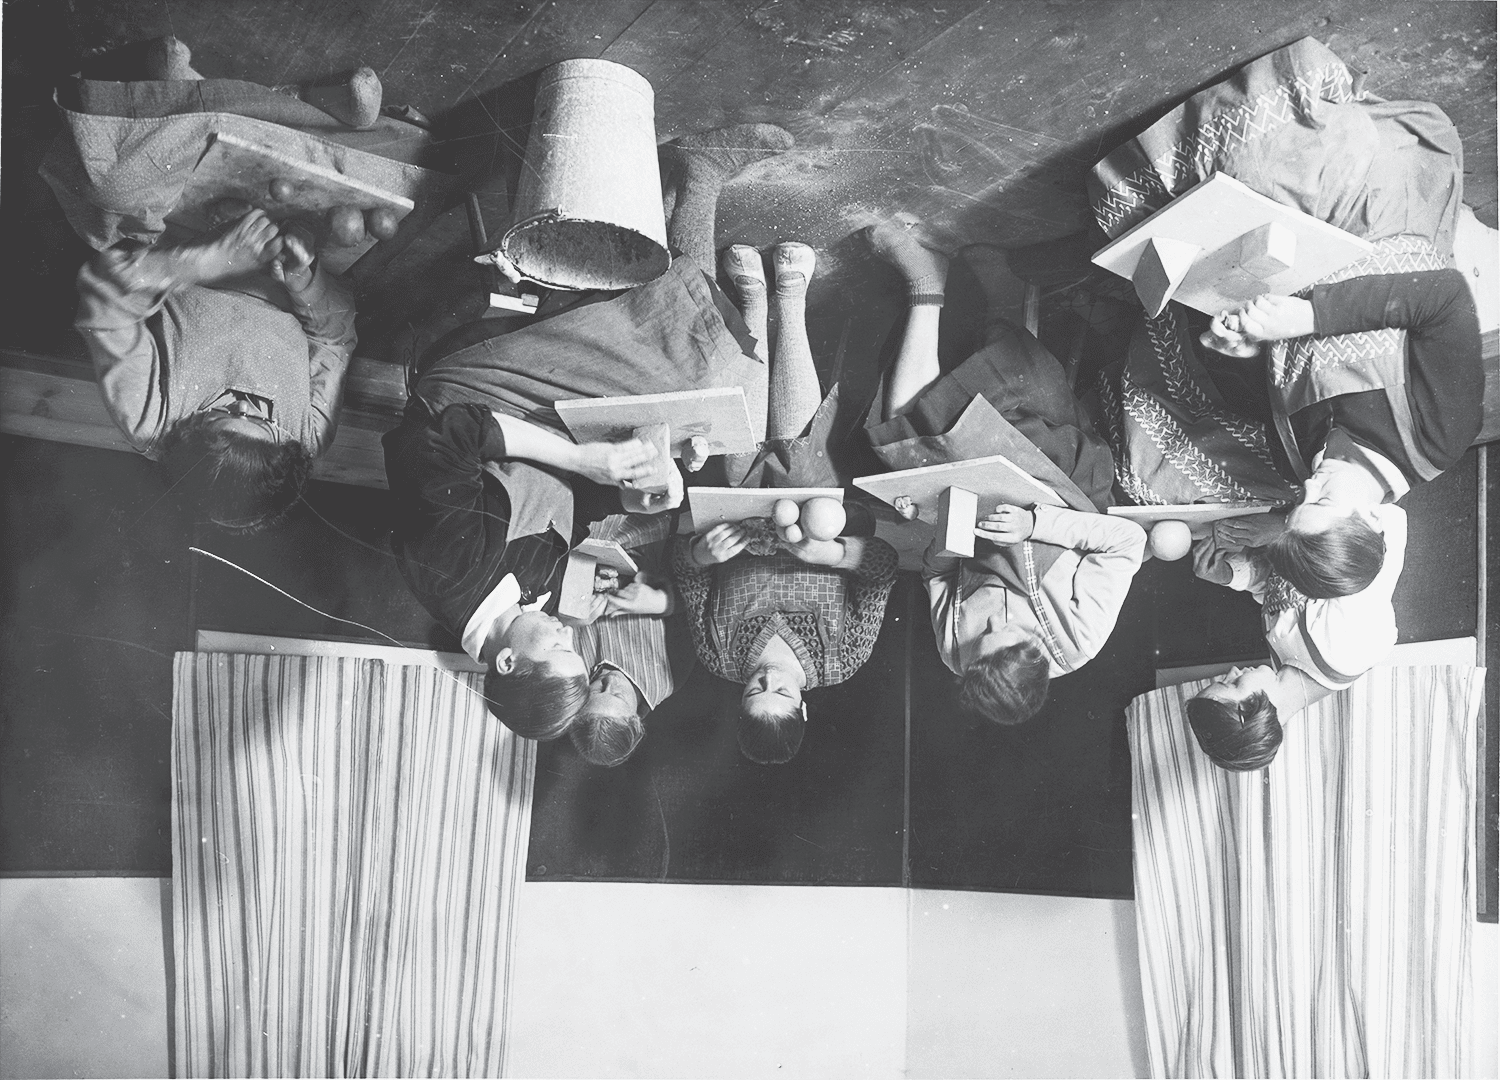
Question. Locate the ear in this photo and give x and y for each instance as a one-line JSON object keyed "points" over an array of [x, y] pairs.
{"points": [[505, 660], [1370, 516]]}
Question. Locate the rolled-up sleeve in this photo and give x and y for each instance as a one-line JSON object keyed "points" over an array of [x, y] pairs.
{"points": [[326, 311], [1110, 550], [126, 355]]}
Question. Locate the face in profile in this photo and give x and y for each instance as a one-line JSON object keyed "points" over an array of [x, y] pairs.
{"points": [[539, 638], [1328, 497], [1235, 685]]}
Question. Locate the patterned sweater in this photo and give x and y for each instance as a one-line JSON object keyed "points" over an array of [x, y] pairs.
{"points": [[829, 617]]}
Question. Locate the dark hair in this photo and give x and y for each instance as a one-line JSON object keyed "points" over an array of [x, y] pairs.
{"points": [[1008, 685], [1339, 561], [1240, 735], [771, 739], [242, 484], [602, 739], [533, 702]]}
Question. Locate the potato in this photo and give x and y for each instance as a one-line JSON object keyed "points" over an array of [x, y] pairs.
{"points": [[823, 518], [1170, 540], [283, 190], [347, 225], [381, 222], [784, 512], [792, 534]]}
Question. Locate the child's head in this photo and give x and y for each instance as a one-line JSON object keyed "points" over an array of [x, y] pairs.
{"points": [[609, 728], [1235, 721], [772, 713], [238, 470], [539, 683], [1327, 551], [770, 733], [1006, 672]]}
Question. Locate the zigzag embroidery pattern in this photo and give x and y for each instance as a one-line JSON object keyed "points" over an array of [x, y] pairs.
{"points": [[1188, 162], [1169, 438], [1138, 491], [1291, 360], [1166, 333]]}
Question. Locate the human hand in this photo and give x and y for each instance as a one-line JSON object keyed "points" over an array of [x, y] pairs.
{"points": [[720, 544], [637, 598], [294, 266], [816, 552], [1225, 336], [596, 610], [613, 464], [1250, 531], [1275, 318], [1007, 525], [248, 244], [635, 501]]}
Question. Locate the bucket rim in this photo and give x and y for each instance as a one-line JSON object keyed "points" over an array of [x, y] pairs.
{"points": [[610, 70], [557, 216]]}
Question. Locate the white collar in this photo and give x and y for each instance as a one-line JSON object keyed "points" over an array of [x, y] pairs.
{"points": [[1385, 470], [501, 598]]}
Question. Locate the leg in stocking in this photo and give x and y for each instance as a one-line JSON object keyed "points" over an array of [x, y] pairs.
{"points": [[695, 167], [743, 267], [925, 271], [795, 394], [1004, 293]]}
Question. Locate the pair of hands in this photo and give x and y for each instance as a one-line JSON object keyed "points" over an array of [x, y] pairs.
{"points": [[1241, 332], [1007, 525], [251, 243], [1250, 531], [621, 464], [726, 540], [637, 598]]}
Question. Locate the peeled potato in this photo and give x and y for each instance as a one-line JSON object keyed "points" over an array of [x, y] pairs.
{"points": [[784, 512], [1170, 540], [381, 223], [792, 534], [823, 518], [347, 225], [283, 190]]}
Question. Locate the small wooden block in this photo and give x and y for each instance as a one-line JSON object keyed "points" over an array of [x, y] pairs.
{"points": [[995, 480], [719, 414], [957, 514], [1268, 250], [660, 436], [1214, 216], [711, 505], [1164, 263], [1191, 513], [607, 553], [576, 595]]}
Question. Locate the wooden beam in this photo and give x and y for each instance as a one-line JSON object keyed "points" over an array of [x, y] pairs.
{"points": [[61, 403]]}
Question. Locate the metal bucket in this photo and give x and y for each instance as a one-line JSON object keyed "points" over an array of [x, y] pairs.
{"points": [[588, 210]]}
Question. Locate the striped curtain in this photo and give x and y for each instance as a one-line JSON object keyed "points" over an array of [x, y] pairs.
{"points": [[1312, 919], [348, 840]]}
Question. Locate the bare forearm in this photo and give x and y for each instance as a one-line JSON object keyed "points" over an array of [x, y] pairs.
{"points": [[531, 443]]}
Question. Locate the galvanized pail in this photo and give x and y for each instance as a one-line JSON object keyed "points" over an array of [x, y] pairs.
{"points": [[588, 211]]}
